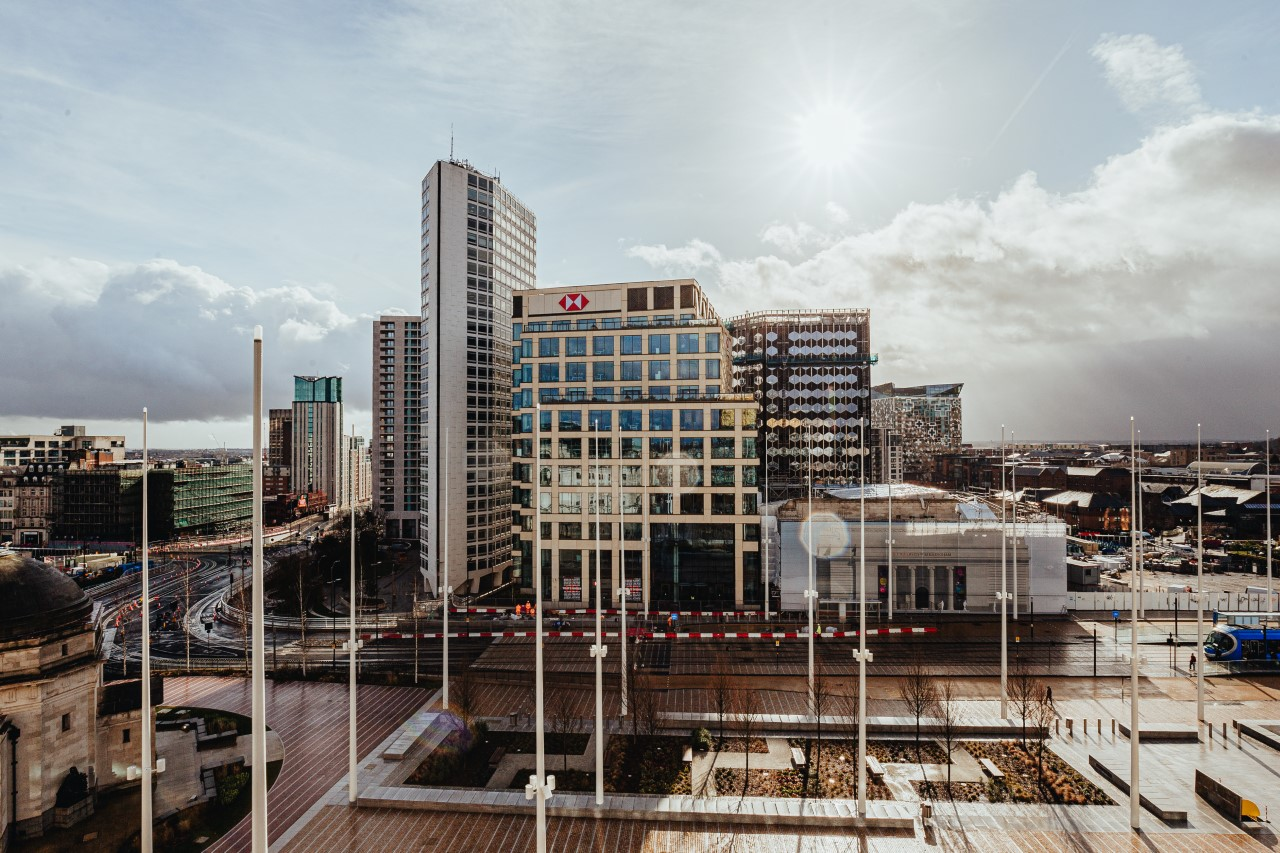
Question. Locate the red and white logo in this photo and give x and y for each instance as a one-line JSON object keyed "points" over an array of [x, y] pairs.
{"points": [[574, 301]]}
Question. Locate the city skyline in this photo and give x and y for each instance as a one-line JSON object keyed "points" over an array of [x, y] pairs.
{"points": [[1036, 199]]}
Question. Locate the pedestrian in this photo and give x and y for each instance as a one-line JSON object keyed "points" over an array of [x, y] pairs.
{"points": [[1048, 697], [1193, 662]]}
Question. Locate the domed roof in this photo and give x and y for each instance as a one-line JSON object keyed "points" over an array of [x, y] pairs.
{"points": [[37, 599]]}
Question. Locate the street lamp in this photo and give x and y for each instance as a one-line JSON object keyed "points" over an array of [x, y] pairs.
{"points": [[1135, 805], [1003, 595]]}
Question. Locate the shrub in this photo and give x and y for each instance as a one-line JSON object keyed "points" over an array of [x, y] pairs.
{"points": [[701, 739]]}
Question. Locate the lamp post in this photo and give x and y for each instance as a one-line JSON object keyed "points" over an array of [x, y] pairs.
{"points": [[1003, 594], [147, 817], [446, 591], [352, 646], [1266, 449], [1135, 797], [863, 656], [598, 649], [1013, 499], [539, 787], [259, 778], [620, 551], [1199, 580], [811, 591]]}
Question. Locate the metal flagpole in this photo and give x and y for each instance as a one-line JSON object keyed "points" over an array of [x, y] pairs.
{"points": [[1142, 563], [620, 550], [763, 524], [811, 592], [864, 656], [147, 747], [539, 787], [599, 650], [888, 466], [1003, 594], [446, 591], [352, 646], [259, 779], [1199, 580], [1135, 796], [1013, 544], [1270, 600]]}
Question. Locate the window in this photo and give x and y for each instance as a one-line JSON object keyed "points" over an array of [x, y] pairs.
{"points": [[722, 504], [570, 503], [632, 392], [632, 503], [713, 342], [66, 722], [602, 345], [749, 418], [570, 420], [660, 475], [570, 448], [660, 392], [749, 504], [749, 476], [722, 448], [602, 394], [570, 575], [659, 370], [549, 372], [632, 448], [691, 476], [691, 448], [691, 504], [637, 299], [570, 530], [600, 420], [660, 420], [601, 447], [687, 392], [629, 420], [660, 448], [548, 347], [601, 475], [601, 371], [691, 419], [575, 371], [664, 298], [632, 371], [722, 418], [687, 368], [749, 448], [571, 475], [544, 448], [722, 475], [659, 344], [660, 504], [126, 736], [630, 475], [575, 346], [560, 325], [632, 344], [712, 370], [686, 343]]}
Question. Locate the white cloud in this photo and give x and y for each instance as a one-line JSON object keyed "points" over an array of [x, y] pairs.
{"points": [[105, 340], [1148, 77], [694, 255], [837, 213], [1169, 249], [794, 239]]}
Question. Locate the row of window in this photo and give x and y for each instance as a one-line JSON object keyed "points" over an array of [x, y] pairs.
{"points": [[632, 420], [632, 475], [660, 503], [601, 345], [660, 447], [627, 371]]}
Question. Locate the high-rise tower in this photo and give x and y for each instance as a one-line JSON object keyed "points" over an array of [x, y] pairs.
{"points": [[478, 246], [317, 446]]}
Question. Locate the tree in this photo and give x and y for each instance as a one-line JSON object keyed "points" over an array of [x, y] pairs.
{"points": [[465, 694], [295, 580], [747, 702], [823, 702], [646, 706], [1042, 716], [1023, 691], [721, 699], [949, 717], [562, 713], [917, 689]]}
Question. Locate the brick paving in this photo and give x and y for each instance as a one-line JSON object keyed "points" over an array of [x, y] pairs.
{"points": [[311, 719]]}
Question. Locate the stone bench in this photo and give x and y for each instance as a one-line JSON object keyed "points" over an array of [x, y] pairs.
{"points": [[498, 754], [874, 767], [989, 766], [797, 757]]}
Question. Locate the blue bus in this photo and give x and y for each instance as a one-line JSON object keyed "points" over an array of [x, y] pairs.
{"points": [[1233, 642]]}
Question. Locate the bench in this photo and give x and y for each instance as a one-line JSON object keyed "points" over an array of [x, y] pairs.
{"points": [[991, 769], [874, 767], [498, 754], [797, 757]]}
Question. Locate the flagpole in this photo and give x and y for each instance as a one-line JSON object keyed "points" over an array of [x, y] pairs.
{"points": [[147, 746], [259, 750], [538, 788], [599, 650], [1199, 580], [352, 646], [1003, 595], [1135, 796], [446, 591], [620, 549]]}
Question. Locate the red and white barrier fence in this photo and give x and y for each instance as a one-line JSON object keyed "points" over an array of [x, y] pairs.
{"points": [[648, 635]]}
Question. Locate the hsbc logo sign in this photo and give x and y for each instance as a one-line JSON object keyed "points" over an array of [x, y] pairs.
{"points": [[574, 301]]}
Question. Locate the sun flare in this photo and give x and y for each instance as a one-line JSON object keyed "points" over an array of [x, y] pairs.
{"points": [[828, 136]]}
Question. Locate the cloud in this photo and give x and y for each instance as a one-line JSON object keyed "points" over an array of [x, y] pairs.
{"points": [[103, 340], [1042, 301], [794, 239], [694, 255], [1149, 78]]}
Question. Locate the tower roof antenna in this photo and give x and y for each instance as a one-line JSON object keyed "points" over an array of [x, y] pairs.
{"points": [[450, 140]]}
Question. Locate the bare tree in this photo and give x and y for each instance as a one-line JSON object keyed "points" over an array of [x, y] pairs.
{"points": [[721, 699], [824, 701], [465, 694], [1023, 691], [949, 717], [646, 706], [562, 712], [918, 690], [1042, 716], [747, 702]]}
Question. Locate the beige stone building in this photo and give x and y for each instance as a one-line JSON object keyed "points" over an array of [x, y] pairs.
{"points": [[622, 412], [397, 420]]}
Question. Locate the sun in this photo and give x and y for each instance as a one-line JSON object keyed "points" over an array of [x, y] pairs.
{"points": [[829, 135]]}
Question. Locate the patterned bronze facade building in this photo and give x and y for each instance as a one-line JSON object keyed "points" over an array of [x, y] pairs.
{"points": [[927, 420]]}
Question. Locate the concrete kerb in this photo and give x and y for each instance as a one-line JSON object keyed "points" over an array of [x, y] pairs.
{"points": [[887, 816], [785, 724]]}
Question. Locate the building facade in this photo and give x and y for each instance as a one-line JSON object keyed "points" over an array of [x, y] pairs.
{"points": [[946, 556], [397, 422], [621, 418], [69, 444], [279, 449], [927, 420], [478, 249], [317, 441], [810, 371]]}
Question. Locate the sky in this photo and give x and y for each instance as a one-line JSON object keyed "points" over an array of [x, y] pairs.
{"points": [[1073, 208]]}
